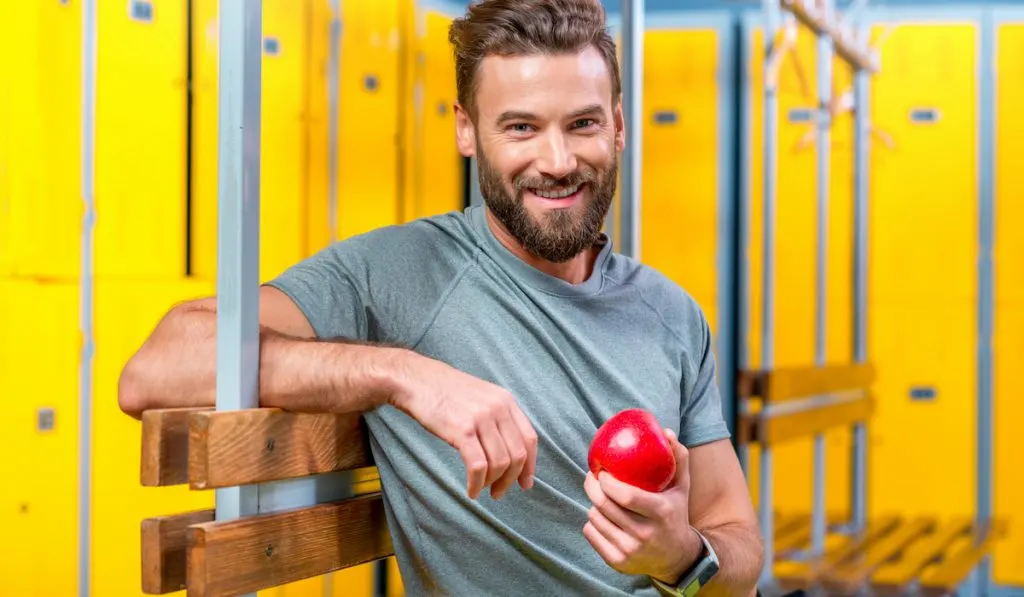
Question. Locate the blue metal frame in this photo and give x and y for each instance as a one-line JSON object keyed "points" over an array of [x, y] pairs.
{"points": [[86, 296]]}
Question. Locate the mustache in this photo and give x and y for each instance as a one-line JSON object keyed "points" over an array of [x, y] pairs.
{"points": [[523, 183]]}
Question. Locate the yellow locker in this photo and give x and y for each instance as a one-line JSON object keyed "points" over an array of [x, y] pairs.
{"points": [[285, 138], [318, 225], [39, 499], [439, 163], [125, 314], [368, 160], [40, 157], [140, 138], [1009, 315], [796, 247], [922, 284], [680, 165]]}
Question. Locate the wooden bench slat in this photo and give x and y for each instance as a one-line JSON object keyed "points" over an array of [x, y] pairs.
{"points": [[900, 573], [781, 428], [816, 570], [268, 550], [791, 383], [228, 448], [165, 446], [163, 550], [954, 569], [796, 533], [856, 571]]}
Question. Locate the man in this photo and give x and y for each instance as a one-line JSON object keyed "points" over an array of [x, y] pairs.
{"points": [[485, 348]]}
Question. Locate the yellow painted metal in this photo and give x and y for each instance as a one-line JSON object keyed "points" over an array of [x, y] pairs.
{"points": [[680, 167], [1009, 315], [141, 68], [39, 477], [923, 256], [40, 139]]}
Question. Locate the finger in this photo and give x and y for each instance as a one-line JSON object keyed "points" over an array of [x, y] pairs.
{"points": [[517, 456], [476, 465], [494, 446], [530, 442], [630, 498], [628, 521], [682, 455], [602, 546], [623, 540]]}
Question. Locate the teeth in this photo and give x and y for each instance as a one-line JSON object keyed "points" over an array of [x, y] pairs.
{"points": [[556, 194]]}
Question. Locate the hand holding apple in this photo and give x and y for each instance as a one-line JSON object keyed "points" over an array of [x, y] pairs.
{"points": [[632, 446], [642, 531]]}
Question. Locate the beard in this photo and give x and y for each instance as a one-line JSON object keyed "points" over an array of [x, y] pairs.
{"points": [[560, 234]]}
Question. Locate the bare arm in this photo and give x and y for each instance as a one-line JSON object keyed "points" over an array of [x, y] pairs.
{"points": [[720, 507]]}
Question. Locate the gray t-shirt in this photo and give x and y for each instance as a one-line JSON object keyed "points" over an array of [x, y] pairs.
{"points": [[572, 355]]}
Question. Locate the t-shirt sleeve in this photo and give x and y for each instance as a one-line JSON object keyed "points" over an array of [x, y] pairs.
{"points": [[329, 295], [702, 420]]}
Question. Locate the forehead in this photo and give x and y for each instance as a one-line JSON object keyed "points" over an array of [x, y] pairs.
{"points": [[542, 83]]}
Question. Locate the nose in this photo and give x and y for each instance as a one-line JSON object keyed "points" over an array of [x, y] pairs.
{"points": [[556, 158]]}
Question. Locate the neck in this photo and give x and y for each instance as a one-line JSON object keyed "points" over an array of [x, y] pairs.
{"points": [[575, 271]]}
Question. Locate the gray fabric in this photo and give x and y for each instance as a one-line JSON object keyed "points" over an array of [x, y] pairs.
{"points": [[571, 355]]}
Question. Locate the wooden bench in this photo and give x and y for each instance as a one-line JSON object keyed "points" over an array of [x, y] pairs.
{"points": [[209, 450], [892, 553]]}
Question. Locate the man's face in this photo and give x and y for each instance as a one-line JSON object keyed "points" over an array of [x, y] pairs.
{"points": [[546, 141]]}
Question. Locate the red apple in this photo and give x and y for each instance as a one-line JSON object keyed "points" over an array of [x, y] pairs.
{"points": [[632, 447]]}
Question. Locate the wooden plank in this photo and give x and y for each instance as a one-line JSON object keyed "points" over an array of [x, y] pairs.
{"points": [[846, 48], [797, 534], [814, 571], [856, 571], [163, 550], [791, 383], [165, 446], [268, 550], [228, 448], [779, 428], [953, 570], [898, 574], [750, 383]]}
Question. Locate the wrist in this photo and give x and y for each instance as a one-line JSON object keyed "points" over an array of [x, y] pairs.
{"points": [[691, 551], [397, 378]]}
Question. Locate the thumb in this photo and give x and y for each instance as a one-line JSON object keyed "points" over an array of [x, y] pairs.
{"points": [[682, 477]]}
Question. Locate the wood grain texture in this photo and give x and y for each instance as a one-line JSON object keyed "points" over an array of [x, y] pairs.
{"points": [[163, 550], [165, 446], [268, 550], [781, 428], [856, 571], [228, 448]]}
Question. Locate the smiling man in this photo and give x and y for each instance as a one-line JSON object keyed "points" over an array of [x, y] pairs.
{"points": [[485, 347]]}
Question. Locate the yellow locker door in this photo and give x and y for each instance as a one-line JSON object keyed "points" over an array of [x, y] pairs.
{"points": [[285, 138], [440, 178], [796, 247], [680, 166], [1009, 315], [39, 499], [922, 284], [318, 225], [40, 189], [140, 138], [368, 169]]}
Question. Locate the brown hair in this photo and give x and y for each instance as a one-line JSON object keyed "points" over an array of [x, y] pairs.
{"points": [[521, 27]]}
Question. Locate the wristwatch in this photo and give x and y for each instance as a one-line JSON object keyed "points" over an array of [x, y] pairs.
{"points": [[697, 577]]}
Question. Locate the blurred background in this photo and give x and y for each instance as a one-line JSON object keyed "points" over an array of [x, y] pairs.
{"points": [[945, 179]]}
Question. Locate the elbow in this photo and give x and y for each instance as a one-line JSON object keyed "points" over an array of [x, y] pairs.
{"points": [[130, 395]]}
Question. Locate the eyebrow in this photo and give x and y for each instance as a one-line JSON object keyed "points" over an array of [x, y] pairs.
{"points": [[518, 115]]}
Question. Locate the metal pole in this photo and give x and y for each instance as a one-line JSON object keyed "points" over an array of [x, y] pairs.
{"points": [[825, 51], [862, 152], [773, 17], [238, 225], [632, 107], [86, 290]]}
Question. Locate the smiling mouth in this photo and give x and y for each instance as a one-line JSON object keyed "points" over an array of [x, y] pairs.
{"points": [[564, 194]]}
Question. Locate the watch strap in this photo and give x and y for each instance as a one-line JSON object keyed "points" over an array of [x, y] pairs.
{"points": [[703, 570]]}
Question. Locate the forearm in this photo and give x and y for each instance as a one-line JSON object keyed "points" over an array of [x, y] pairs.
{"points": [[741, 555], [176, 367]]}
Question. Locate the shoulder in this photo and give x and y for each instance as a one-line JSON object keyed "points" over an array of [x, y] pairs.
{"points": [[673, 304]]}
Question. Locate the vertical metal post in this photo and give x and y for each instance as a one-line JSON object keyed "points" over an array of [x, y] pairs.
{"points": [[86, 295], [824, 152], [238, 167], [986, 284], [333, 115], [632, 107], [773, 17], [861, 162], [743, 288]]}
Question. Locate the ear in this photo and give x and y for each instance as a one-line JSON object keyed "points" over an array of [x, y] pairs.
{"points": [[465, 132], [620, 125]]}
